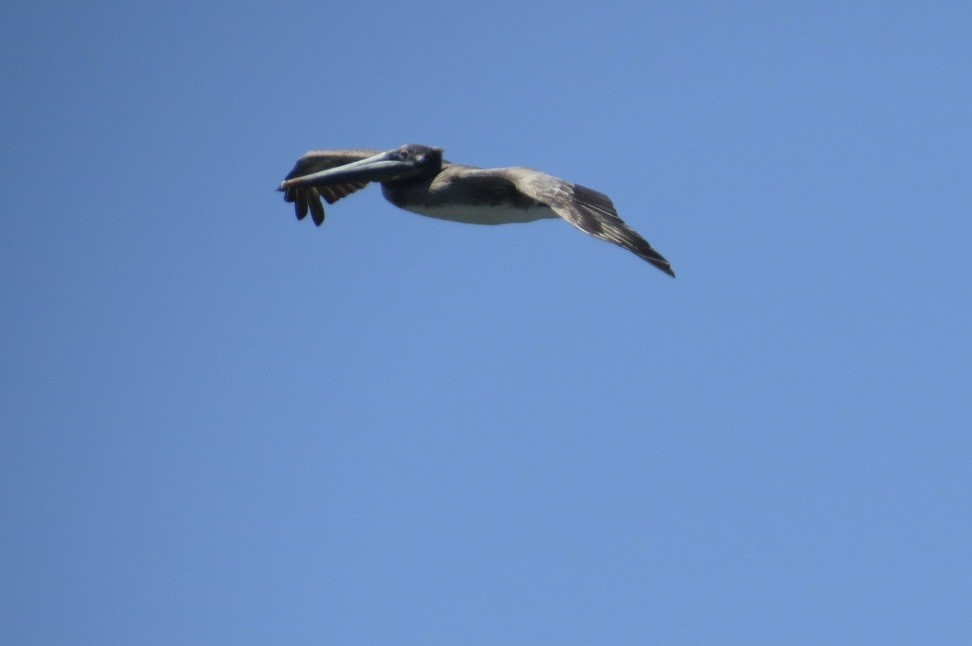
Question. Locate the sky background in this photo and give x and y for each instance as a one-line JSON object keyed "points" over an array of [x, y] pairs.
{"points": [[221, 425]]}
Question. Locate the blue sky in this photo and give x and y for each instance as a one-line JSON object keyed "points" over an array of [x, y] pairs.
{"points": [[224, 426]]}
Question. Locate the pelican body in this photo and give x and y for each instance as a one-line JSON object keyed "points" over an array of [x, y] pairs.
{"points": [[417, 179]]}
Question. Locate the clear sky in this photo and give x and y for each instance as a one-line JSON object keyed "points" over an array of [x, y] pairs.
{"points": [[221, 425]]}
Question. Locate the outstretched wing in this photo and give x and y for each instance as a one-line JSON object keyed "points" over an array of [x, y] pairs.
{"points": [[588, 210], [309, 197]]}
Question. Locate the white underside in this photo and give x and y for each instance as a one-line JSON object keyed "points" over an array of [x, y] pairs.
{"points": [[485, 214]]}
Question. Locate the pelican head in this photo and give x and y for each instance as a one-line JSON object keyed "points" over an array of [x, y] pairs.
{"points": [[405, 163]]}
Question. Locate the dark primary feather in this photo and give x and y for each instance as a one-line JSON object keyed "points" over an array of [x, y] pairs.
{"points": [[309, 197], [590, 211]]}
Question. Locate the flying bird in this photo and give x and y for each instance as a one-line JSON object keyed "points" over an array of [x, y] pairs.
{"points": [[417, 179]]}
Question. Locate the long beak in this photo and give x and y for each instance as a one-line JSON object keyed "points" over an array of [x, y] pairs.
{"points": [[372, 169]]}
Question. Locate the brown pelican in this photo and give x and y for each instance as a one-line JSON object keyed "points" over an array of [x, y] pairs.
{"points": [[417, 179]]}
